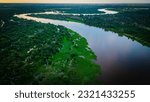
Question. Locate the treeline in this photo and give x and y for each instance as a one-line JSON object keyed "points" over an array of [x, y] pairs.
{"points": [[131, 23]]}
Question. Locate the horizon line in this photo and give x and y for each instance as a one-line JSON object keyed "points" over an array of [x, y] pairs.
{"points": [[75, 3]]}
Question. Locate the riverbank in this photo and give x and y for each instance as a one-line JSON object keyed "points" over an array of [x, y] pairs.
{"points": [[37, 53], [102, 42], [124, 23]]}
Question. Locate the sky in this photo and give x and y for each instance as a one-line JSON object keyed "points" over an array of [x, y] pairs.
{"points": [[75, 1]]}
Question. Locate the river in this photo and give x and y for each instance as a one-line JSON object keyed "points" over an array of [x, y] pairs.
{"points": [[122, 60]]}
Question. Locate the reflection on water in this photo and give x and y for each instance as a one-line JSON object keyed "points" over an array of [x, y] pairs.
{"points": [[108, 11], [123, 61]]}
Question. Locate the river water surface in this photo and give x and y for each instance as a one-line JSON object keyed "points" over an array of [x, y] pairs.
{"points": [[122, 60]]}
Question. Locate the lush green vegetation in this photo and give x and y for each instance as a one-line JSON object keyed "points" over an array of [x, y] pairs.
{"points": [[36, 53], [131, 21]]}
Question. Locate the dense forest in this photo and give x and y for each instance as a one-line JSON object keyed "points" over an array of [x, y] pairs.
{"points": [[36, 53], [131, 21]]}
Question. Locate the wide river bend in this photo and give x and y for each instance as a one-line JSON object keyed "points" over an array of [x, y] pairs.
{"points": [[123, 60]]}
